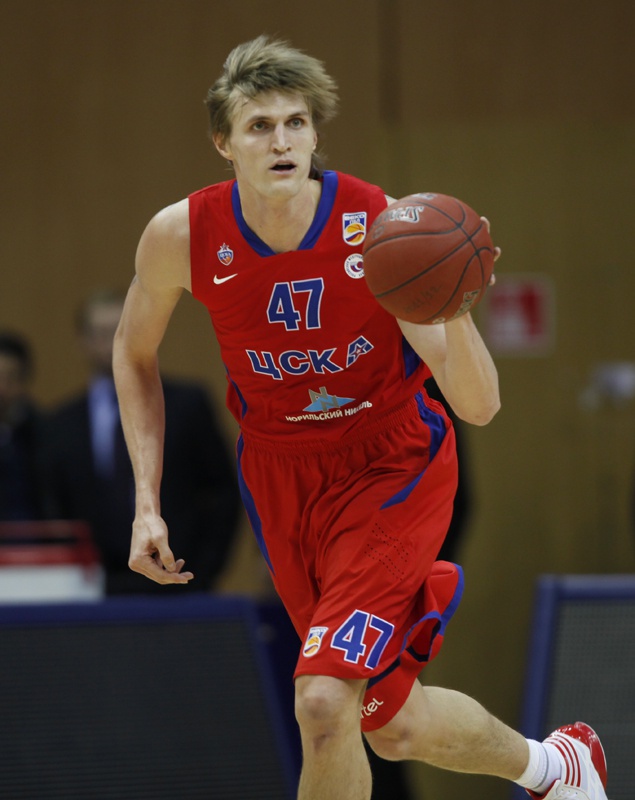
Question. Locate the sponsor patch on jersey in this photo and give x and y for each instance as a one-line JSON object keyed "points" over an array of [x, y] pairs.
{"points": [[323, 401], [325, 406], [225, 254], [354, 266], [313, 641], [354, 227]]}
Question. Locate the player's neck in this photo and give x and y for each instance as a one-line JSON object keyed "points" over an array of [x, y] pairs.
{"points": [[282, 224]]}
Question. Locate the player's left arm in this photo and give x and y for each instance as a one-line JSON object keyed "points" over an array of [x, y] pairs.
{"points": [[461, 364]]}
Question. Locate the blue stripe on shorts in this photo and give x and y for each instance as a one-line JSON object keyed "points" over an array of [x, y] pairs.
{"points": [[436, 425], [250, 506]]}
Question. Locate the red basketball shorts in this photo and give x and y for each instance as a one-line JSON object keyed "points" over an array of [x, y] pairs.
{"points": [[350, 531]]}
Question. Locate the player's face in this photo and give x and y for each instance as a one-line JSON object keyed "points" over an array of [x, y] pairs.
{"points": [[270, 145]]}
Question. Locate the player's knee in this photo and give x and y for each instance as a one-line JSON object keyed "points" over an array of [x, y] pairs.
{"points": [[324, 704], [392, 743]]}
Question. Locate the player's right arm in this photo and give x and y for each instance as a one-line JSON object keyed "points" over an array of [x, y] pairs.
{"points": [[161, 273]]}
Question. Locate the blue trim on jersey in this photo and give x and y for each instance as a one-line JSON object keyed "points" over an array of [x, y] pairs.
{"points": [[250, 506], [322, 214], [439, 630], [410, 357], [436, 425], [243, 402]]}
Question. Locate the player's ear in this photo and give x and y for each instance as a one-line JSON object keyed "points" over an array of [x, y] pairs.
{"points": [[220, 144]]}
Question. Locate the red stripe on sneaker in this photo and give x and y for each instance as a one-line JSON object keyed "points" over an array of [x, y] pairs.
{"points": [[572, 761], [567, 774]]}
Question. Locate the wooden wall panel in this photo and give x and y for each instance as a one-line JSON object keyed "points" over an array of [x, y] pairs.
{"points": [[529, 60], [104, 124]]}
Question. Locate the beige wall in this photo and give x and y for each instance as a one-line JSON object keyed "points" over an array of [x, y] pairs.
{"points": [[523, 109]]}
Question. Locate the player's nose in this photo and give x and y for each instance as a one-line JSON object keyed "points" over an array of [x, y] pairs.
{"points": [[280, 142]]}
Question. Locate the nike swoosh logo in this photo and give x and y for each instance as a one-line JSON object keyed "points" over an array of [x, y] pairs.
{"points": [[222, 280]]}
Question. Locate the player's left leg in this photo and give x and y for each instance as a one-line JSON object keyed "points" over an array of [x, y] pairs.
{"points": [[451, 730], [335, 765]]}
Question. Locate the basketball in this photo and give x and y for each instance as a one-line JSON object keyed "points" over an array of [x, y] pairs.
{"points": [[428, 258]]}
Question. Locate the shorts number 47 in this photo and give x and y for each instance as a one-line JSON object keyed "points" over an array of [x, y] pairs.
{"points": [[351, 635]]}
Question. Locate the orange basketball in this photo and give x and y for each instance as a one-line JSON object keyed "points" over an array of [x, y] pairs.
{"points": [[428, 258]]}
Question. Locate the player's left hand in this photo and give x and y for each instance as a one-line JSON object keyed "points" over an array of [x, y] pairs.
{"points": [[150, 553]]}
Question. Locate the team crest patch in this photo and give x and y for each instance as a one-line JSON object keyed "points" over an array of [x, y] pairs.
{"points": [[313, 641], [225, 255], [354, 265], [354, 227]]}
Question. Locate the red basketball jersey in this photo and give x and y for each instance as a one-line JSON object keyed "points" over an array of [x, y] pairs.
{"points": [[309, 353]]}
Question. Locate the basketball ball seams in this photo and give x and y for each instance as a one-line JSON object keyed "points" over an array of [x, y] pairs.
{"points": [[428, 258], [445, 214], [439, 313], [407, 234], [425, 271], [418, 300], [469, 237], [456, 225]]}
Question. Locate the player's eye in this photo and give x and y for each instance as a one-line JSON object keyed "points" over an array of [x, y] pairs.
{"points": [[296, 122]]}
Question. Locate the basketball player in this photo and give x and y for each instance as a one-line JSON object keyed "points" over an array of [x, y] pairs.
{"points": [[347, 468]]}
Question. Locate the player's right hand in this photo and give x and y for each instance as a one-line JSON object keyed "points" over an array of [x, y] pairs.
{"points": [[150, 554], [497, 253]]}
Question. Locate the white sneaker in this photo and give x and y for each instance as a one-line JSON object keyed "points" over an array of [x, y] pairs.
{"points": [[583, 765]]}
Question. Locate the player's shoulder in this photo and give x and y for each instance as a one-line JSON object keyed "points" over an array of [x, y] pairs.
{"points": [[168, 231], [171, 221], [164, 248], [214, 190], [211, 206], [345, 180], [354, 189]]}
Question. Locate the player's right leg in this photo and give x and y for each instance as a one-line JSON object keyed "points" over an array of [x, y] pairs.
{"points": [[335, 765]]}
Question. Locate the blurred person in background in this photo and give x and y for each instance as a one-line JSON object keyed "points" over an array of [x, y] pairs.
{"points": [[89, 476], [20, 429]]}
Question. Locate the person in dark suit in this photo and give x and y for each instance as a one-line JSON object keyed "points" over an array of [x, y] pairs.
{"points": [[20, 430], [89, 475]]}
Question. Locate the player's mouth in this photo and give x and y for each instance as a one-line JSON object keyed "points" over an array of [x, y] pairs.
{"points": [[283, 167]]}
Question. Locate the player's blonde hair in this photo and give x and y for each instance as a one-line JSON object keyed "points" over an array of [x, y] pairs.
{"points": [[263, 65]]}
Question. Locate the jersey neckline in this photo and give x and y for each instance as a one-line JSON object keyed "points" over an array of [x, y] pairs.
{"points": [[322, 214]]}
